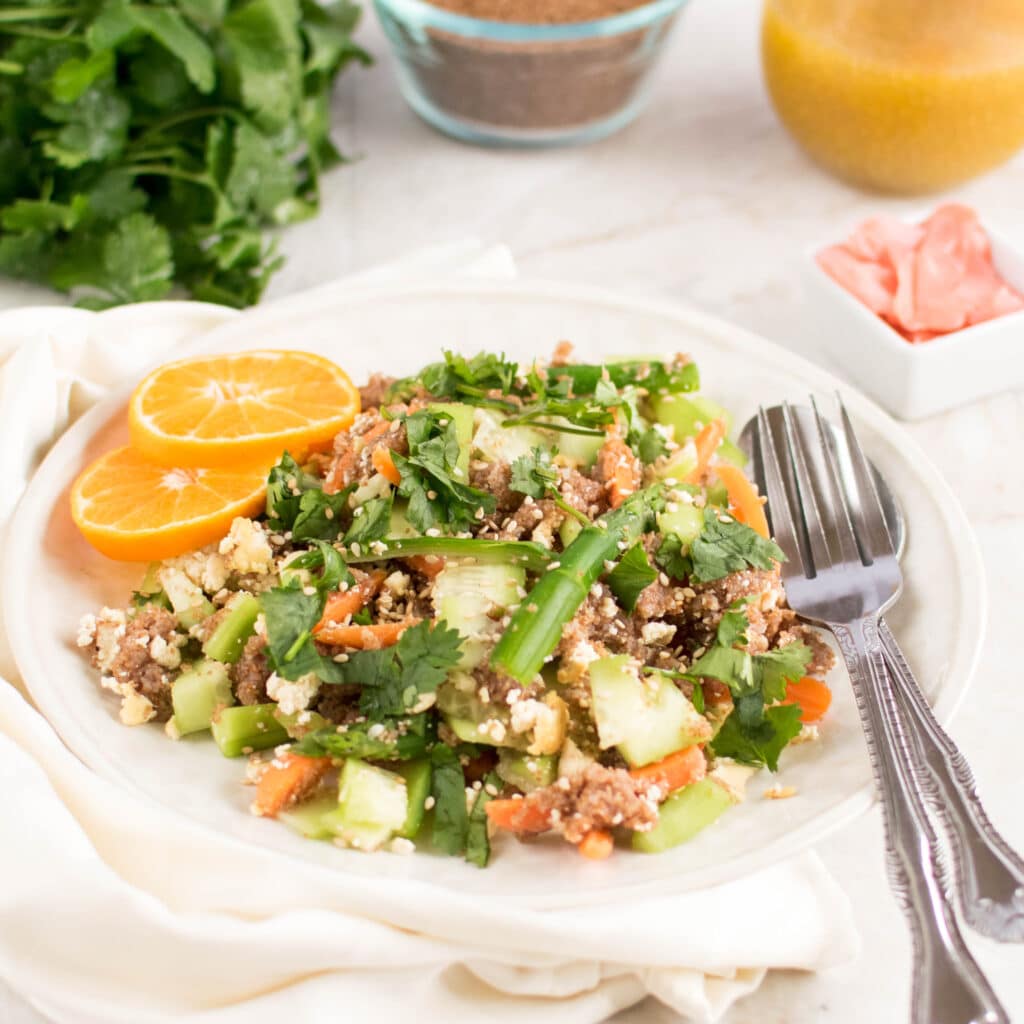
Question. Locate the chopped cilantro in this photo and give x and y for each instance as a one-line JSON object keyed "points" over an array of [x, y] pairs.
{"points": [[436, 498], [402, 740], [533, 474], [721, 549], [631, 576], [373, 522], [649, 446], [448, 787], [760, 744], [460, 379]]}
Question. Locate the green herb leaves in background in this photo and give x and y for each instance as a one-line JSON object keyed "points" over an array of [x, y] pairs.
{"points": [[148, 145]]}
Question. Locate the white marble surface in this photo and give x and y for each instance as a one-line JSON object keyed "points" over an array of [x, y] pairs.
{"points": [[705, 200]]}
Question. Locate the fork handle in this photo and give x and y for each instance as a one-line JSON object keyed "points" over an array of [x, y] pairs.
{"points": [[948, 985], [989, 874]]}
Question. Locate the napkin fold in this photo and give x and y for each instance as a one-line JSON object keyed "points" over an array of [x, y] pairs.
{"points": [[112, 911]]}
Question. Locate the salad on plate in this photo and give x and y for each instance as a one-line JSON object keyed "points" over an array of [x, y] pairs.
{"points": [[486, 599]]}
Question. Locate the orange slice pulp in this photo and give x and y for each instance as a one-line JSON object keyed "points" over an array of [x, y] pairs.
{"points": [[243, 407], [132, 509]]}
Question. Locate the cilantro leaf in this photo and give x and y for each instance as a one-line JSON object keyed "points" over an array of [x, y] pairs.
{"points": [[649, 446], [652, 375], [428, 476], [448, 788], [759, 744], [478, 845], [727, 547], [533, 474], [671, 557], [402, 740], [631, 576], [321, 516], [290, 614], [372, 522], [782, 665], [458, 378], [297, 502]]}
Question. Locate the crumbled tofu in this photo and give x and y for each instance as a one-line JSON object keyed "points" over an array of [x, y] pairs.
{"points": [[295, 695], [397, 584], [246, 548], [732, 775], [402, 846], [807, 734], [206, 568], [109, 631], [575, 663], [171, 729], [166, 655], [86, 631], [657, 632], [547, 719], [136, 709], [778, 792]]}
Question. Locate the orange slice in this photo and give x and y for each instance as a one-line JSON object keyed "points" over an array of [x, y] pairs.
{"points": [[244, 407], [135, 510]]}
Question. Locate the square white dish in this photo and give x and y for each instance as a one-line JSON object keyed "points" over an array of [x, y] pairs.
{"points": [[916, 380]]}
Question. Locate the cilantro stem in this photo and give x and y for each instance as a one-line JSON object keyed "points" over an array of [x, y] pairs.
{"points": [[561, 428], [9, 67], [297, 646], [174, 120], [569, 510], [51, 34], [536, 626], [167, 171], [38, 13]]}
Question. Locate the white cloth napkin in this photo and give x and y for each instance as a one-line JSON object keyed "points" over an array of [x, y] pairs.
{"points": [[111, 913]]}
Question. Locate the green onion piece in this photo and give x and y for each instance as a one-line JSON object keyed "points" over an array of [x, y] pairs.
{"points": [[536, 627], [531, 556]]}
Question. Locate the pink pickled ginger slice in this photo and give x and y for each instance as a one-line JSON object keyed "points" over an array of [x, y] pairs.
{"points": [[924, 279]]}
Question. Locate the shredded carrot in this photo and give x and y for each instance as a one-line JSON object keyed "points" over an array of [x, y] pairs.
{"points": [[287, 780], [343, 603], [365, 638], [344, 467], [746, 504], [385, 465], [517, 816], [597, 844], [675, 771], [429, 565], [706, 443], [812, 695], [619, 468]]}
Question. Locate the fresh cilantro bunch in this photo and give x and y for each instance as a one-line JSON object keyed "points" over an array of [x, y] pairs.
{"points": [[147, 146]]}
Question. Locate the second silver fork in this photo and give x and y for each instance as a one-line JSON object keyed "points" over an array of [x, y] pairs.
{"points": [[843, 574]]}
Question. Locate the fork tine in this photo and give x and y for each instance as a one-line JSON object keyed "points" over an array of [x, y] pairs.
{"points": [[814, 531], [872, 525], [841, 516], [779, 510]]}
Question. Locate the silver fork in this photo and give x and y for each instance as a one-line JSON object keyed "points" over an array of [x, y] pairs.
{"points": [[843, 574]]}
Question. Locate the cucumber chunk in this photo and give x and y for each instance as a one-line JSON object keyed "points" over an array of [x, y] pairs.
{"points": [[645, 719], [240, 730], [462, 416], [197, 694], [308, 818], [472, 598], [372, 806], [526, 772], [687, 414], [578, 448], [226, 642], [189, 602], [570, 529], [418, 776], [684, 814], [687, 523], [503, 444]]}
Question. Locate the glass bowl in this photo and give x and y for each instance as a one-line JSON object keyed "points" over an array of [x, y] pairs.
{"points": [[506, 83]]}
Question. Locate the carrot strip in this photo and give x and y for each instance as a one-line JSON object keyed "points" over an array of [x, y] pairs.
{"points": [[746, 504], [385, 465], [706, 443], [366, 638], [812, 695], [597, 844], [429, 565], [288, 780], [675, 771], [619, 468], [517, 816], [343, 603]]}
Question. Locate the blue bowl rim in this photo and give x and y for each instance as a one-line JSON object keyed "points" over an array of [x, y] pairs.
{"points": [[421, 15]]}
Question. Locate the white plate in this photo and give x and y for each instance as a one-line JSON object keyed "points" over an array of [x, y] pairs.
{"points": [[52, 577]]}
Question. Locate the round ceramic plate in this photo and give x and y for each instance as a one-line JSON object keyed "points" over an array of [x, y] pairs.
{"points": [[52, 577]]}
